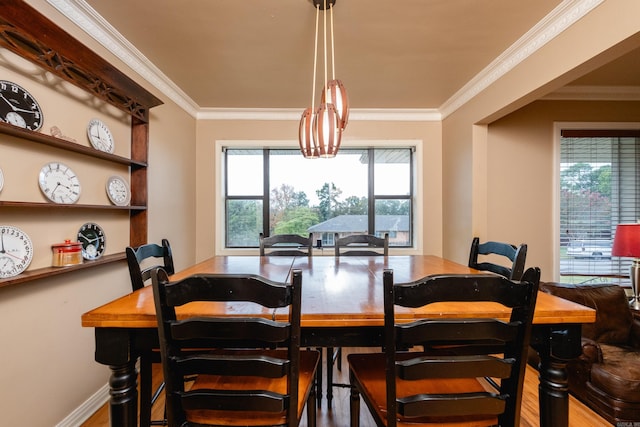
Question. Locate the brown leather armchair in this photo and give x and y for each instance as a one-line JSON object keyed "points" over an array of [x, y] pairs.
{"points": [[606, 376]]}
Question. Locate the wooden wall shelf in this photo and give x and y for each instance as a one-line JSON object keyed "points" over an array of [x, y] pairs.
{"points": [[10, 204], [31, 35], [38, 273], [62, 144]]}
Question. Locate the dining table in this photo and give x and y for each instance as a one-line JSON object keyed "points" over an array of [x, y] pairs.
{"points": [[342, 306]]}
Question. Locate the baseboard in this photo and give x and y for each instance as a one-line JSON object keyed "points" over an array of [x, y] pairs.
{"points": [[88, 408]]}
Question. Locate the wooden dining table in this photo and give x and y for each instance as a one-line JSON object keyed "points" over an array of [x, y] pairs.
{"points": [[342, 306]]}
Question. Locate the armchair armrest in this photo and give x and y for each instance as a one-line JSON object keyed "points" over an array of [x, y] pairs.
{"points": [[634, 339], [591, 352]]}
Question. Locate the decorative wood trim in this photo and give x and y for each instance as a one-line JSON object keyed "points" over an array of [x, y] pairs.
{"points": [[26, 32]]}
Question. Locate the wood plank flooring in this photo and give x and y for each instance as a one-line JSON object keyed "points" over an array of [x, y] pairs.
{"points": [[338, 414]]}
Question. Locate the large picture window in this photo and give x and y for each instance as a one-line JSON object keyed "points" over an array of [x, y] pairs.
{"points": [[599, 188], [278, 191]]}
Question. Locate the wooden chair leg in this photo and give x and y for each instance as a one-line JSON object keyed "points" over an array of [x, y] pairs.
{"points": [[311, 409], [354, 407], [145, 391], [319, 380]]}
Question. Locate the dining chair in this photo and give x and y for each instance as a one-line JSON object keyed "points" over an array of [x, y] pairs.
{"points": [[516, 255], [410, 387], [249, 371], [352, 245], [141, 260], [361, 245], [286, 245]]}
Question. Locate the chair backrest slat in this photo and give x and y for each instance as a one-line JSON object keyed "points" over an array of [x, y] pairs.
{"points": [[443, 338], [140, 270], [361, 245], [286, 245], [516, 256]]}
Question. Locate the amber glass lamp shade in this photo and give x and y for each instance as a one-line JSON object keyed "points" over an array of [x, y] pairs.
{"points": [[326, 130]]}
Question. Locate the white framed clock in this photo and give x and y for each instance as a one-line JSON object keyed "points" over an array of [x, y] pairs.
{"points": [[100, 136], [59, 183], [118, 190], [16, 251]]}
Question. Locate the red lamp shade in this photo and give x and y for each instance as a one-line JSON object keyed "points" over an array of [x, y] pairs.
{"points": [[627, 241]]}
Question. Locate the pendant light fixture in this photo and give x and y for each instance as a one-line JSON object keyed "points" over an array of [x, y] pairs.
{"points": [[320, 131]]}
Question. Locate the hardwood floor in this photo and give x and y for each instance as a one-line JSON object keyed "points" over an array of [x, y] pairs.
{"points": [[338, 414]]}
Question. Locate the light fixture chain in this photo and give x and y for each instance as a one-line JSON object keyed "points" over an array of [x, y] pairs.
{"points": [[333, 58], [315, 59]]}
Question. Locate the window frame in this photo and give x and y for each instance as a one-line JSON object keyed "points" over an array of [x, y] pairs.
{"points": [[416, 189], [558, 127]]}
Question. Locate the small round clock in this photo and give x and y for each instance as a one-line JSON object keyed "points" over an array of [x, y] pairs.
{"points": [[118, 190], [100, 136], [18, 107], [59, 183], [16, 251], [93, 240]]}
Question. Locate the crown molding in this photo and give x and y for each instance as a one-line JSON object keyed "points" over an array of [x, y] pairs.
{"points": [[594, 93], [355, 114], [562, 17]]}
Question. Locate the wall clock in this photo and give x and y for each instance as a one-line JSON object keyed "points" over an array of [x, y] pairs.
{"points": [[59, 183], [118, 190], [100, 136], [16, 251], [93, 240], [18, 107]]}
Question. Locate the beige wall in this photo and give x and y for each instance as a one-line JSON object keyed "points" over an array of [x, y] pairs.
{"points": [[522, 172], [284, 134], [609, 31], [47, 367]]}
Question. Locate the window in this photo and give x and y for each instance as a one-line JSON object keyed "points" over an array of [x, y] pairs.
{"points": [[599, 188], [277, 191]]}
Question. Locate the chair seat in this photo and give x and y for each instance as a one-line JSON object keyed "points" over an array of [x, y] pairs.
{"points": [[619, 373], [369, 371], [308, 363]]}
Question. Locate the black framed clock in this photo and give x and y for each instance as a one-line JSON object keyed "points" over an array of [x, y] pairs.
{"points": [[18, 107], [93, 240]]}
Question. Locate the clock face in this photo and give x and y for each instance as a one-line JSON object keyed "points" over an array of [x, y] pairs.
{"points": [[118, 190], [100, 136], [93, 240], [59, 183], [16, 251], [18, 107]]}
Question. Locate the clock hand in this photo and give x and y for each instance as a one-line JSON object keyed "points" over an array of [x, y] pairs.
{"points": [[12, 255], [8, 102]]}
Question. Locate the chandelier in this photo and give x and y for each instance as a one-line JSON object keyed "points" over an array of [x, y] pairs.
{"points": [[321, 129]]}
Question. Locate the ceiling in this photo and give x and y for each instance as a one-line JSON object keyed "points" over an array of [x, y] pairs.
{"points": [[410, 54]]}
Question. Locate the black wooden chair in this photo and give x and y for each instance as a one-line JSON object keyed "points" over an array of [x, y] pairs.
{"points": [[141, 261], [286, 245], [420, 388], [361, 245], [516, 255], [249, 371], [352, 245]]}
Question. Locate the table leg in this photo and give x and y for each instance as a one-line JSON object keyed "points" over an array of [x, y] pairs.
{"points": [[116, 348], [556, 345], [123, 406]]}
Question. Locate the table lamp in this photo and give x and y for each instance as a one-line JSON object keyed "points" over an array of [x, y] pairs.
{"points": [[627, 244]]}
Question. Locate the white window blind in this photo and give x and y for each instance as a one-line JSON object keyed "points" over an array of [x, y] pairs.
{"points": [[599, 188]]}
